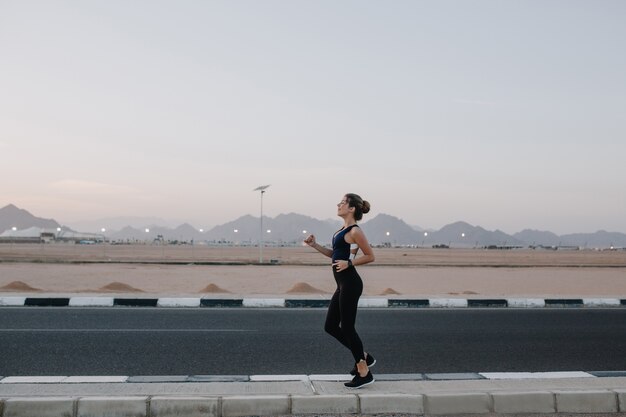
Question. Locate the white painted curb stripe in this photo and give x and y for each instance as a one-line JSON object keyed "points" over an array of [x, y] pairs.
{"points": [[448, 302], [342, 377], [178, 302], [263, 302], [33, 379], [535, 375], [278, 378], [526, 302], [91, 302], [12, 301], [373, 302], [601, 302], [63, 379], [94, 379]]}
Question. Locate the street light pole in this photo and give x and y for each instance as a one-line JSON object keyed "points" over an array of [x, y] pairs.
{"points": [[104, 242], [262, 189]]}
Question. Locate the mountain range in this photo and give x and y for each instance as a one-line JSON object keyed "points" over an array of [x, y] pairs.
{"points": [[291, 228], [12, 216]]}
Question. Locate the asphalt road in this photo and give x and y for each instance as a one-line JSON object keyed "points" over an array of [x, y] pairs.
{"points": [[204, 341]]}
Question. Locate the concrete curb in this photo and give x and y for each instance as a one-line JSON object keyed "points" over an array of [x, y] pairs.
{"points": [[485, 403], [366, 302], [523, 402], [93, 396], [41, 407], [113, 406]]}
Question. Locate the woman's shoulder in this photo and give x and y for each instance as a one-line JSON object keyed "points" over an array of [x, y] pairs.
{"points": [[355, 229]]}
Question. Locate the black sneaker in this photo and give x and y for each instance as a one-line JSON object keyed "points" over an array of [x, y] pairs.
{"points": [[360, 381], [369, 360]]}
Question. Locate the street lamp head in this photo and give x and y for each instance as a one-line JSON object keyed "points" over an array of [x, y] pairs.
{"points": [[14, 228], [103, 230], [387, 233], [304, 231], [147, 230], [236, 230], [425, 233], [269, 230], [262, 188]]}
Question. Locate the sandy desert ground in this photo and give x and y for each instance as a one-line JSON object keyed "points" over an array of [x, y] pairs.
{"points": [[145, 270]]}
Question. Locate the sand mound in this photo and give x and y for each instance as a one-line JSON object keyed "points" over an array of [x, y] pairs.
{"points": [[469, 293], [19, 286], [119, 287], [212, 288], [304, 288], [389, 291]]}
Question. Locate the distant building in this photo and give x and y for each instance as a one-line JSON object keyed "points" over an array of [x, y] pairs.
{"points": [[41, 235]]}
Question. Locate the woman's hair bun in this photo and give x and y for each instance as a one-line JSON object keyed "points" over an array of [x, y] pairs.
{"points": [[366, 206]]}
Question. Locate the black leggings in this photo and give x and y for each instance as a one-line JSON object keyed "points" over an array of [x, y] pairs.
{"points": [[342, 311]]}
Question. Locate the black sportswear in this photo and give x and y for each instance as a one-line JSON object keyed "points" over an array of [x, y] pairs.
{"points": [[342, 310]]}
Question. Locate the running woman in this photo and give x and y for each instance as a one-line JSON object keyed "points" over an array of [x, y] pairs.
{"points": [[341, 315]]}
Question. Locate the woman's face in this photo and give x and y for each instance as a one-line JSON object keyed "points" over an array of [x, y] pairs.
{"points": [[343, 208]]}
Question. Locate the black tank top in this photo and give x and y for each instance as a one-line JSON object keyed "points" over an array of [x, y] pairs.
{"points": [[341, 248]]}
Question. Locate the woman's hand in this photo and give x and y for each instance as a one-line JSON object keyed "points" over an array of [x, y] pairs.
{"points": [[321, 249], [341, 265]]}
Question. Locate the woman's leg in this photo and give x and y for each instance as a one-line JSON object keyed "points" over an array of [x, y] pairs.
{"points": [[348, 303], [333, 320]]}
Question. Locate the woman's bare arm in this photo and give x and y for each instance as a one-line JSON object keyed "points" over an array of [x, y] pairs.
{"points": [[321, 249], [357, 236]]}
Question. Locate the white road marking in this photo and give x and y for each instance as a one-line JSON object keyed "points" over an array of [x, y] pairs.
{"points": [[124, 330]]}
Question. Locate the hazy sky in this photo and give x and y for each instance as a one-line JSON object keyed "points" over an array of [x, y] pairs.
{"points": [[504, 114]]}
